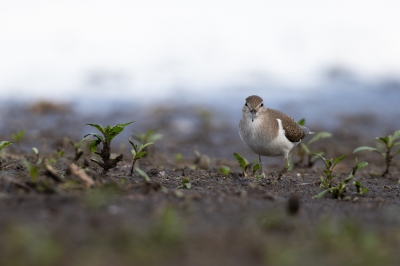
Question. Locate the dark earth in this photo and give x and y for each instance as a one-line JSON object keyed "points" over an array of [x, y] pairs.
{"points": [[218, 220]]}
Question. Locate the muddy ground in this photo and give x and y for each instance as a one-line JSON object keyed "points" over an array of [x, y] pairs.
{"points": [[219, 220]]}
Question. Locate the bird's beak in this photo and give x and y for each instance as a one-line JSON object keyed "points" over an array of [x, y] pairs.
{"points": [[253, 114]]}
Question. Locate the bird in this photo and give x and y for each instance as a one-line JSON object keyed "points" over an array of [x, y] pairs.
{"points": [[269, 132]]}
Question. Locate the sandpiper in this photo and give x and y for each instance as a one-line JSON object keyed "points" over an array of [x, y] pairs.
{"points": [[269, 132]]}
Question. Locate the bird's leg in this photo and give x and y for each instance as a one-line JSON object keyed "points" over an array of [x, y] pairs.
{"points": [[261, 166], [285, 168]]}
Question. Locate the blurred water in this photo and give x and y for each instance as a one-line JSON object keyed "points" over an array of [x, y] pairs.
{"points": [[325, 104]]}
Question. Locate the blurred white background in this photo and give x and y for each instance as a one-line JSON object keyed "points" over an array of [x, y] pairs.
{"points": [[64, 49]]}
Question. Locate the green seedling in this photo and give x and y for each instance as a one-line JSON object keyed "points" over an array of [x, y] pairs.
{"points": [[143, 175], [3, 145], [178, 157], [185, 184], [108, 134], [60, 153], [303, 149], [77, 148], [388, 143], [17, 137], [360, 189], [225, 170], [33, 170], [338, 190], [149, 136], [327, 179], [245, 165], [138, 152], [37, 156]]}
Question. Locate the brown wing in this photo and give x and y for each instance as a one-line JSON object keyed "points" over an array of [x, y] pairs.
{"points": [[293, 131]]}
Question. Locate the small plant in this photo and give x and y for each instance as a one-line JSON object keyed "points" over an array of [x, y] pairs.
{"points": [[33, 170], [388, 143], [245, 165], [143, 175], [108, 134], [303, 149], [37, 157], [77, 148], [149, 136], [225, 170], [178, 157], [360, 189], [17, 137], [3, 145], [138, 152], [327, 179], [185, 184], [338, 190]]}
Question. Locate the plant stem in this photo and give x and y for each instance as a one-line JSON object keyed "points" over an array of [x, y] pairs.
{"points": [[133, 164], [388, 159]]}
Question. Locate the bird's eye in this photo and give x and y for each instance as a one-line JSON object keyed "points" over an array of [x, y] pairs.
{"points": [[246, 104], [262, 105]]}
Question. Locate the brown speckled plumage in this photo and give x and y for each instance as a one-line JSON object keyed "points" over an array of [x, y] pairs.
{"points": [[293, 131]]}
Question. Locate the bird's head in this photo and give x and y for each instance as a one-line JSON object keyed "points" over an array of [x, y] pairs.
{"points": [[253, 105]]}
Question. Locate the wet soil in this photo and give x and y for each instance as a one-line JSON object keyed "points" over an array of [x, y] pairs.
{"points": [[218, 220]]}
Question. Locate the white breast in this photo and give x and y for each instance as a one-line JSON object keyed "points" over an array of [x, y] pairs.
{"points": [[263, 141]]}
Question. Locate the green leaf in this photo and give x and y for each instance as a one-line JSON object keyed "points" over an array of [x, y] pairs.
{"points": [[318, 136], [364, 190], [348, 179], [141, 154], [324, 182], [99, 137], [145, 145], [361, 165], [327, 172], [305, 148], [256, 167], [94, 144], [302, 122], [398, 152], [396, 134], [224, 170], [94, 160], [321, 194], [33, 170], [143, 174], [4, 144], [178, 157], [366, 148], [358, 186], [242, 162], [383, 140], [35, 150], [98, 127], [18, 136], [327, 164], [133, 144], [133, 153], [337, 160]]}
